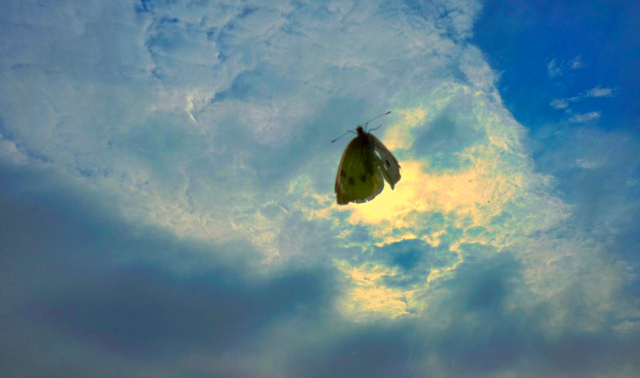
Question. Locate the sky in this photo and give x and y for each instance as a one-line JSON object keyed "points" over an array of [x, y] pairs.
{"points": [[167, 204]]}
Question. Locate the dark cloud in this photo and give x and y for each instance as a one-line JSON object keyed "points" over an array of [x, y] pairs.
{"points": [[363, 352], [487, 335], [473, 328], [483, 285], [63, 283], [143, 313]]}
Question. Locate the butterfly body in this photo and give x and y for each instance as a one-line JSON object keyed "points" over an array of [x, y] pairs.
{"points": [[364, 166]]}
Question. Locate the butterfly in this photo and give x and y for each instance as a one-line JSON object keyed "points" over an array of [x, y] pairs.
{"points": [[364, 164]]}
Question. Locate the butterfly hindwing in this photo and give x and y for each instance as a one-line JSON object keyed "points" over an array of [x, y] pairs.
{"points": [[359, 178], [386, 161]]}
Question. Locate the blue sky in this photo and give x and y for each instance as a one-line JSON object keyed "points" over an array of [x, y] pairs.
{"points": [[569, 49], [167, 204]]}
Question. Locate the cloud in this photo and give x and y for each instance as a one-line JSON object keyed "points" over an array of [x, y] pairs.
{"points": [[595, 167], [560, 103], [553, 68], [599, 92], [595, 92], [556, 68], [588, 164], [586, 117], [168, 206], [104, 287], [576, 63]]}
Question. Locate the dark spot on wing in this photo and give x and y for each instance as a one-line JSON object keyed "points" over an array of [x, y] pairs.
{"points": [[351, 182], [343, 174], [387, 163], [363, 177]]}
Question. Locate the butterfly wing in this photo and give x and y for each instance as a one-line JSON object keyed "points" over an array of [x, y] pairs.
{"points": [[385, 161], [359, 178]]}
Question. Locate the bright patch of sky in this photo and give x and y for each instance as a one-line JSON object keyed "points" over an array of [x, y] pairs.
{"points": [[167, 186]]}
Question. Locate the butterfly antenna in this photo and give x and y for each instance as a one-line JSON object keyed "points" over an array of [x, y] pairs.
{"points": [[381, 115], [365, 126], [348, 131]]}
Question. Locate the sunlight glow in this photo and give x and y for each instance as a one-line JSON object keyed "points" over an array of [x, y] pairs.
{"points": [[470, 203], [368, 298]]}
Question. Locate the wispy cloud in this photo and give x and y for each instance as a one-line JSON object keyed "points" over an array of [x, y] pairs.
{"points": [[560, 103], [599, 92], [564, 103], [553, 68], [576, 63], [586, 117], [589, 163], [557, 68]]}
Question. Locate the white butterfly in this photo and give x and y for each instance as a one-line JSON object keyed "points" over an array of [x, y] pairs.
{"points": [[364, 164]]}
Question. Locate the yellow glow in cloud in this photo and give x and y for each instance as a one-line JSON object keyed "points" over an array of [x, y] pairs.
{"points": [[493, 197], [475, 195], [368, 298], [476, 192], [189, 108], [399, 137]]}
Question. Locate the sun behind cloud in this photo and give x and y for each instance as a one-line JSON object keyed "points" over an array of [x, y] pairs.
{"points": [[480, 199]]}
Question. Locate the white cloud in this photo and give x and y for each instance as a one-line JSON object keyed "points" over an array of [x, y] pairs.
{"points": [[586, 117], [599, 92], [560, 103], [195, 85], [204, 109], [557, 68], [553, 68], [576, 63], [212, 120], [589, 163], [596, 92], [217, 108]]}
